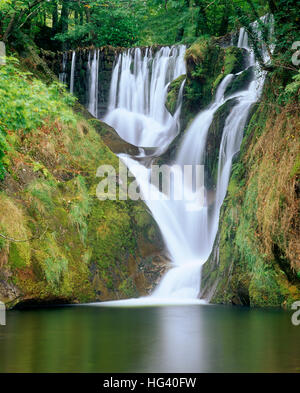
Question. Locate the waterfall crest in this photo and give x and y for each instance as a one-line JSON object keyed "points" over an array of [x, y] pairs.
{"points": [[93, 66], [138, 93]]}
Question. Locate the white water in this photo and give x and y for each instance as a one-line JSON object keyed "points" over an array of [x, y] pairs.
{"points": [[137, 111], [93, 83], [189, 234], [72, 72], [138, 94], [63, 74]]}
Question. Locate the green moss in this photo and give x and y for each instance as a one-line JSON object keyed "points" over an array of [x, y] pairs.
{"points": [[173, 91], [18, 255], [239, 269], [240, 82], [204, 63], [233, 62]]}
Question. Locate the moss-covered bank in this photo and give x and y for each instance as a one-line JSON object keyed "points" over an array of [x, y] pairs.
{"points": [[256, 256]]}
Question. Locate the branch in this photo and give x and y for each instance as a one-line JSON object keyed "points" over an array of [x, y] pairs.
{"points": [[19, 17], [30, 15], [210, 4], [9, 27], [11, 239]]}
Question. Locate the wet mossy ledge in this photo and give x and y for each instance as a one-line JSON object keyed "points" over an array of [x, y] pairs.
{"points": [[207, 65], [208, 62], [59, 243], [256, 257]]}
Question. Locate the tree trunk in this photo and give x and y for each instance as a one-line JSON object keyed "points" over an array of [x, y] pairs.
{"points": [[272, 6], [64, 18], [55, 16], [201, 26], [225, 19], [9, 28]]}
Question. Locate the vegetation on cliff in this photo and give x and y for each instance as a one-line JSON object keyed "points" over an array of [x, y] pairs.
{"points": [[256, 258]]}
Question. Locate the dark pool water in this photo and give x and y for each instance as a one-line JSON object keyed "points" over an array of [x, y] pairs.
{"points": [[195, 338]]}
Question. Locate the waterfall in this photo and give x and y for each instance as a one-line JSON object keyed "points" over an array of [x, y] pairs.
{"points": [[63, 74], [138, 92], [235, 123], [137, 111], [72, 72], [93, 83], [181, 281]]}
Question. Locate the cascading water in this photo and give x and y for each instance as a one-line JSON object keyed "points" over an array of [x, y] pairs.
{"points": [[137, 112], [93, 83], [138, 90], [72, 72], [138, 93], [192, 151], [63, 74]]}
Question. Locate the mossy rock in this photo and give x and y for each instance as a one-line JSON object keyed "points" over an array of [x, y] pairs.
{"points": [[235, 60], [204, 60], [214, 137], [240, 82], [251, 262], [172, 96]]}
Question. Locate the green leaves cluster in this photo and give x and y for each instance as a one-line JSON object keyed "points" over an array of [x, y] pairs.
{"points": [[26, 104], [107, 23]]}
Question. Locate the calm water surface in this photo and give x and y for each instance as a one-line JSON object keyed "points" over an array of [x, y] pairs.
{"points": [[195, 338]]}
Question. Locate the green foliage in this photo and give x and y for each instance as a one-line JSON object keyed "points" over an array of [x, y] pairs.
{"points": [[108, 23], [26, 103], [292, 90], [3, 149], [80, 208]]}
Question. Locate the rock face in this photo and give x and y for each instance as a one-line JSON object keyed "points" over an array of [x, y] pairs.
{"points": [[255, 260], [107, 56], [214, 138], [208, 62], [240, 82]]}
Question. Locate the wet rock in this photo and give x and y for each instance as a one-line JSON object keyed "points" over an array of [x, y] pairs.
{"points": [[240, 82]]}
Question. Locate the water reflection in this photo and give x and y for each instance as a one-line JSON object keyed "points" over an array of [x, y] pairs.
{"points": [[192, 338]]}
